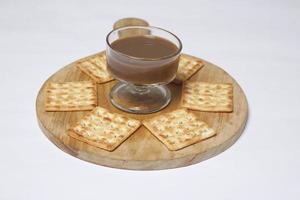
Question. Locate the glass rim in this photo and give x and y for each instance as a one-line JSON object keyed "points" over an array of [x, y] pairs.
{"points": [[146, 59]]}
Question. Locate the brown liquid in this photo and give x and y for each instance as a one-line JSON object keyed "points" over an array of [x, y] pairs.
{"points": [[141, 69]]}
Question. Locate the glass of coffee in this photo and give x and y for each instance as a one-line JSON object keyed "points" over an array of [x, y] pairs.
{"points": [[143, 59]]}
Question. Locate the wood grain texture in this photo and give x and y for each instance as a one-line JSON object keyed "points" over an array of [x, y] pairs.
{"points": [[142, 150], [131, 21]]}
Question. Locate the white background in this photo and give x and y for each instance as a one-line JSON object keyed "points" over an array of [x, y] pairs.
{"points": [[257, 42]]}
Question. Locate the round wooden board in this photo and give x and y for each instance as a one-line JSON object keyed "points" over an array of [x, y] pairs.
{"points": [[142, 151]]}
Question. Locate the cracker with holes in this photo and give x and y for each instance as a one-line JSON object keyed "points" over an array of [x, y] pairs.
{"points": [[187, 68], [104, 129], [71, 96], [95, 68], [208, 97], [178, 129]]}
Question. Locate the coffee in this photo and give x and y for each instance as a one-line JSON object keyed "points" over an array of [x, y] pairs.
{"points": [[143, 60]]}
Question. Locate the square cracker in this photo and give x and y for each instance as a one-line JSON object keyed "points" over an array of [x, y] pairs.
{"points": [[104, 129], [187, 67], [178, 129], [71, 96], [95, 67], [207, 96]]}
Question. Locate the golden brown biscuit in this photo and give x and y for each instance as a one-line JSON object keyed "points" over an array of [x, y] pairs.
{"points": [[95, 67], [208, 97], [178, 129], [71, 96], [187, 67], [104, 129]]}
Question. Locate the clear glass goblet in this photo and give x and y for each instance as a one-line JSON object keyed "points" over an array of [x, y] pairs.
{"points": [[141, 86]]}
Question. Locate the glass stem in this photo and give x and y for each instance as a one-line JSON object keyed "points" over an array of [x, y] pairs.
{"points": [[139, 89]]}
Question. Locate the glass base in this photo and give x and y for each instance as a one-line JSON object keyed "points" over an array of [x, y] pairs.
{"points": [[139, 99]]}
